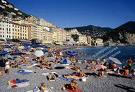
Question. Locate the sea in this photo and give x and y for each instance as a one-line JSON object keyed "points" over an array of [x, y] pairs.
{"points": [[122, 53]]}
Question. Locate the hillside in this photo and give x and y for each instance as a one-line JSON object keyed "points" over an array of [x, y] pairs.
{"points": [[8, 9], [120, 32], [128, 27], [93, 31]]}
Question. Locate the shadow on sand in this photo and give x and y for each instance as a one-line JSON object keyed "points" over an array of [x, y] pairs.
{"points": [[116, 75], [128, 89]]}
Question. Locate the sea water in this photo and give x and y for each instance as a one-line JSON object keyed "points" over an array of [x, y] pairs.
{"points": [[123, 53]]}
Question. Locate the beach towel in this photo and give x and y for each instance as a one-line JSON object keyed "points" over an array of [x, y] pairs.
{"points": [[76, 90], [65, 79], [18, 83], [24, 71]]}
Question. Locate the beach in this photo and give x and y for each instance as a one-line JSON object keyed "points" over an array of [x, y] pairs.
{"points": [[39, 62], [93, 84]]}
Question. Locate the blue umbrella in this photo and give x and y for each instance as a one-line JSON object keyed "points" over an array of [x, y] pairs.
{"points": [[71, 53], [3, 53], [65, 61]]}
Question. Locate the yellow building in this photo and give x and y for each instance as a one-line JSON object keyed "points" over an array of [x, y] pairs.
{"points": [[12, 30], [99, 42], [59, 36], [20, 31], [47, 38], [82, 39]]}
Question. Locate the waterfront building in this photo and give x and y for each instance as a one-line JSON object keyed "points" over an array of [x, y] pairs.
{"points": [[130, 38], [82, 39], [48, 36], [59, 36], [74, 31], [89, 39], [12, 30], [68, 36], [99, 42]]}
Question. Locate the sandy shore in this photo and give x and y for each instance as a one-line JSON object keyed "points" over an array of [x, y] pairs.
{"points": [[93, 84]]}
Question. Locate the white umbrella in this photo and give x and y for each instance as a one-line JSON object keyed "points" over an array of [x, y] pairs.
{"points": [[115, 60], [39, 53]]}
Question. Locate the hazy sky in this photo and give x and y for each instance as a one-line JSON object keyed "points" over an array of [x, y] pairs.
{"points": [[69, 13]]}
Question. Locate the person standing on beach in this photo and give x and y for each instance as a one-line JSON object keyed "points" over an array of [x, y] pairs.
{"points": [[129, 64], [7, 67]]}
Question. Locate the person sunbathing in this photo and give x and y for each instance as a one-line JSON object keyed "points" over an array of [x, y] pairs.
{"points": [[76, 75], [52, 76], [72, 87], [76, 68]]}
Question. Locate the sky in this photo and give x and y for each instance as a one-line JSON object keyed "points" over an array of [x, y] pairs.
{"points": [[72, 13]]}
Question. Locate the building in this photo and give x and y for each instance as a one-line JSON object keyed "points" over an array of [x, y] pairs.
{"points": [[89, 40], [130, 38], [59, 36], [68, 36], [48, 37], [11, 30], [82, 39], [74, 31], [99, 42]]}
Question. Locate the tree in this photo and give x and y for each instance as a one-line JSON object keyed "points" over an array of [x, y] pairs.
{"points": [[75, 37]]}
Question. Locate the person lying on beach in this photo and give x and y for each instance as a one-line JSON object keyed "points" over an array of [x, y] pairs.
{"points": [[46, 65], [52, 76], [76, 75], [14, 64], [76, 68], [72, 87]]}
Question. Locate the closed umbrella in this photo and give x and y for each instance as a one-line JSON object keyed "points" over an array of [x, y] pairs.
{"points": [[115, 60], [39, 53], [71, 53]]}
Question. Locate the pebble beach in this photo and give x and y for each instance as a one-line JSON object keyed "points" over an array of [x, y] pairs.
{"points": [[92, 84]]}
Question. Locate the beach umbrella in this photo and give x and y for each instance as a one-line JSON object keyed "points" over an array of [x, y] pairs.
{"points": [[3, 53], [65, 61], [6, 49], [71, 53], [40, 48], [39, 53], [115, 60]]}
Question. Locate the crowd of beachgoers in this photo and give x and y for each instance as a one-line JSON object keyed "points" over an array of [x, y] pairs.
{"points": [[54, 63]]}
